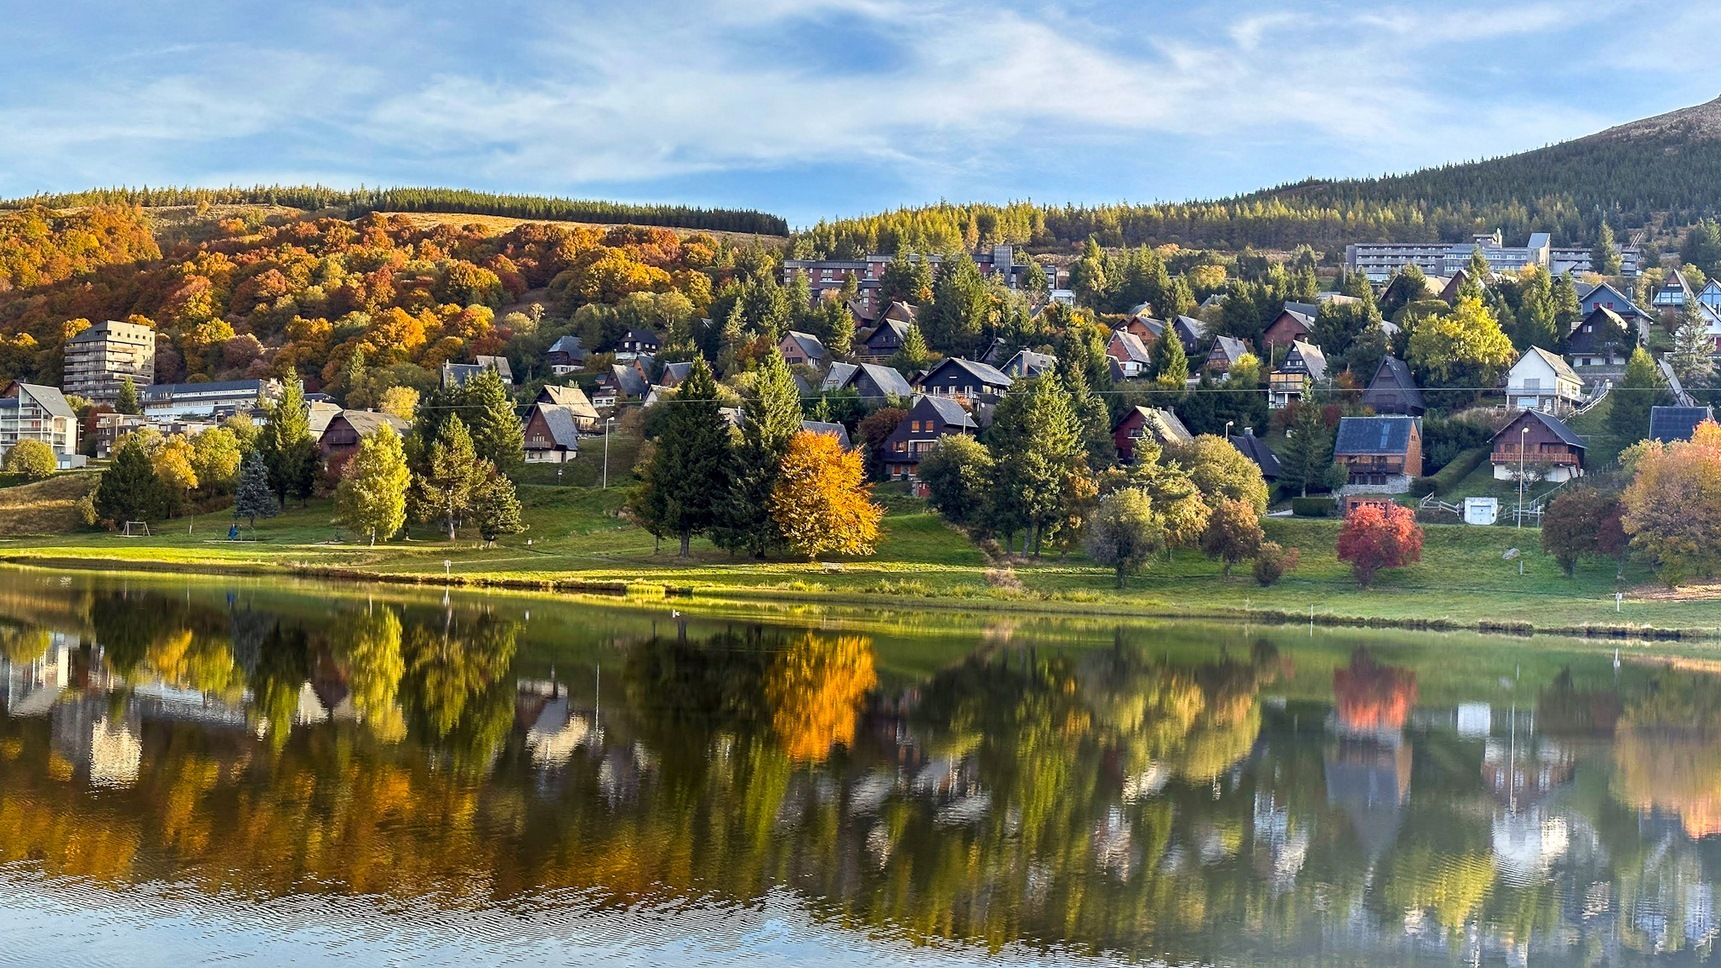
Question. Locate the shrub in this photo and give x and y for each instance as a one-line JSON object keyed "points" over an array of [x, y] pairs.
{"points": [[1312, 507], [1274, 561], [31, 458]]}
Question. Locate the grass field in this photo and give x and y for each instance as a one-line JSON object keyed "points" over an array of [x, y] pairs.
{"points": [[45, 507], [577, 540]]}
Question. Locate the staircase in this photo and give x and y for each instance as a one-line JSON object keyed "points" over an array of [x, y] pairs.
{"points": [[1588, 405]]}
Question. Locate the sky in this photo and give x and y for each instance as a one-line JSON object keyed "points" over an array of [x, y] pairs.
{"points": [[821, 108]]}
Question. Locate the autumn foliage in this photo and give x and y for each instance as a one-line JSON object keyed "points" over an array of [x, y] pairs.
{"points": [[1371, 696], [1377, 536], [1673, 505], [815, 689], [820, 503]]}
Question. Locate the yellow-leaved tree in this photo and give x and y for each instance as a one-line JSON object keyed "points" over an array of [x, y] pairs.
{"points": [[1673, 505], [819, 501]]}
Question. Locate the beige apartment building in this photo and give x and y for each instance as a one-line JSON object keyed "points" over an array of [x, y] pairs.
{"points": [[99, 359]]}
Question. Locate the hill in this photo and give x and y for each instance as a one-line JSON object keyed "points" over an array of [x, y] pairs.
{"points": [[1663, 171]]}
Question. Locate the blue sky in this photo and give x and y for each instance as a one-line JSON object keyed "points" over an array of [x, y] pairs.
{"points": [[818, 108]]}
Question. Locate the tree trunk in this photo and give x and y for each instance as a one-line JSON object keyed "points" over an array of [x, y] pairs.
{"points": [[1120, 582], [687, 544]]}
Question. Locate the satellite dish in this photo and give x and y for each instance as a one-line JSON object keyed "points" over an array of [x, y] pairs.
{"points": [[1511, 554]]}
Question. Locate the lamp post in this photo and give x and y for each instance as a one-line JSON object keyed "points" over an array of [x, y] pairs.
{"points": [[1228, 424], [1523, 441], [607, 422]]}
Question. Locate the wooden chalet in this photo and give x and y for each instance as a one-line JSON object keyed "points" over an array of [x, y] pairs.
{"points": [[1162, 425], [1598, 339], [1027, 363], [584, 412], [551, 434], [1226, 351], [1256, 450], [340, 439], [636, 342], [1130, 352], [884, 341], [1539, 444], [1304, 366], [1394, 390], [566, 355], [964, 380], [1292, 325], [869, 380], [1382, 454], [928, 420], [803, 349]]}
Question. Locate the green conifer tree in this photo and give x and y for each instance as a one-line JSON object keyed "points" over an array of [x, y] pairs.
{"points": [[288, 450], [690, 465], [773, 416]]}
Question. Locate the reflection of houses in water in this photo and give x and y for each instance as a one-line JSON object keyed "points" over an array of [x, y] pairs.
{"points": [[32, 687], [1370, 781], [955, 786], [98, 738], [1285, 848], [1371, 699]]}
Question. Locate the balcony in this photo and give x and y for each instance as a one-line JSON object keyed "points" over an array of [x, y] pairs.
{"points": [[1534, 455]]}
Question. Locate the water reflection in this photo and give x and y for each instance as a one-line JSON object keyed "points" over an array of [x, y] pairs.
{"points": [[1273, 799]]}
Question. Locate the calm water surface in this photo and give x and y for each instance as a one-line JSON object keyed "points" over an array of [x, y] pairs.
{"points": [[244, 772]]}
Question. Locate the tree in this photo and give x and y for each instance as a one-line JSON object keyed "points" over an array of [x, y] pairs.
{"points": [[1090, 276], [1641, 388], [1377, 536], [371, 497], [1233, 534], [127, 402], [1605, 258], [1125, 533], [215, 457], [960, 309], [451, 470], [1274, 562], [691, 463], [1036, 440], [1573, 523], [1221, 472], [401, 402], [957, 471], [497, 435], [1170, 364], [773, 411], [1464, 348], [1702, 246], [1673, 505], [1308, 450], [286, 444], [495, 507], [906, 278], [1692, 356], [913, 355], [820, 502], [34, 459], [875, 429], [173, 462], [130, 490], [252, 497]]}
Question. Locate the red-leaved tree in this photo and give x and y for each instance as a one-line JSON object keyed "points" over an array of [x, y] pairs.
{"points": [[1377, 536]]}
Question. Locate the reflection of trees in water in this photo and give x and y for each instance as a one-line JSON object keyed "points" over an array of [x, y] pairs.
{"points": [[1371, 697], [23, 644], [1667, 749]]}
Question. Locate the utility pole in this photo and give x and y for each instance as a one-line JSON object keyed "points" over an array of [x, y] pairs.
{"points": [[607, 421], [1523, 441]]}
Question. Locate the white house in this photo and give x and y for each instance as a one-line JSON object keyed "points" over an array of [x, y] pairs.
{"points": [[1542, 381], [30, 412]]}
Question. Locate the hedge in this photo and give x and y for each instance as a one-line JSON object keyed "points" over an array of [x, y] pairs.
{"points": [[1312, 507], [1456, 470]]}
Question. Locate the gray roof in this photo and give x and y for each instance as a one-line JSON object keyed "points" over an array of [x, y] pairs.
{"points": [[678, 371], [1028, 363], [1190, 329], [570, 345], [1231, 348], [948, 410], [319, 413], [1403, 383], [562, 423], [641, 336], [368, 421], [1562, 369], [628, 380], [1374, 435], [1132, 345], [1676, 423], [1166, 426], [839, 375], [1553, 423], [1256, 449], [1314, 361], [167, 391], [890, 382], [809, 344], [989, 375], [48, 398], [573, 398], [836, 430], [896, 326], [1303, 311], [499, 364]]}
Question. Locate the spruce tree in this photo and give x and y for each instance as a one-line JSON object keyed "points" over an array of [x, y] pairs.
{"points": [[744, 521], [961, 305], [127, 402], [1036, 438], [1605, 259], [129, 488], [691, 463], [495, 506], [288, 450], [1692, 356], [1170, 365], [1308, 454], [452, 469], [913, 355], [352, 374], [253, 498], [1641, 388], [496, 432]]}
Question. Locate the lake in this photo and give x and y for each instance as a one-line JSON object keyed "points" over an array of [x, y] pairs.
{"points": [[274, 772]]}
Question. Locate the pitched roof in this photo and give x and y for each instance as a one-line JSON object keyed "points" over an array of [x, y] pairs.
{"points": [[1398, 371], [1190, 329], [809, 345], [366, 422], [948, 410], [1561, 368], [1230, 347], [48, 398], [989, 375], [1167, 427], [676, 371], [889, 382], [1256, 449], [1389, 434], [1304, 312], [644, 337], [1314, 361], [839, 375], [836, 430], [562, 422], [1027, 363], [1553, 423], [900, 311], [1584, 338], [318, 413], [570, 345], [1676, 423], [573, 398], [1624, 300], [896, 326], [499, 364], [628, 380], [1132, 345]]}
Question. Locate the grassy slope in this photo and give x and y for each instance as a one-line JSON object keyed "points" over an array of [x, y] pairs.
{"points": [[577, 537], [44, 507]]}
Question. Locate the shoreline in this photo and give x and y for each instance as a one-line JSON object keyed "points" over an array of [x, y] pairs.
{"points": [[1028, 603]]}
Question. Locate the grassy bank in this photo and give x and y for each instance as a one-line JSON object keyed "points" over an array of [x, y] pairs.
{"points": [[577, 542]]}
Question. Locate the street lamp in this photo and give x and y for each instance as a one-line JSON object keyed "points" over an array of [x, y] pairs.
{"points": [[1228, 424], [1523, 441], [607, 422]]}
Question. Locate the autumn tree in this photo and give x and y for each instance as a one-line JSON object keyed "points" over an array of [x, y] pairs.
{"points": [[399, 401], [1377, 536], [32, 459], [1572, 524], [371, 497], [1273, 562], [820, 502], [173, 462], [215, 457], [1233, 533], [1673, 505], [1221, 472], [1464, 349], [1125, 533]]}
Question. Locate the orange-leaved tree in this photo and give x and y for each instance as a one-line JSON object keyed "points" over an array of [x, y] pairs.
{"points": [[1377, 536], [819, 501], [1673, 505]]}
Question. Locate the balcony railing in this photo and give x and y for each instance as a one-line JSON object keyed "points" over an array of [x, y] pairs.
{"points": [[1511, 455]]}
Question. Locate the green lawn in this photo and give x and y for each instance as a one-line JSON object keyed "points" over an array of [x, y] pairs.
{"points": [[577, 538]]}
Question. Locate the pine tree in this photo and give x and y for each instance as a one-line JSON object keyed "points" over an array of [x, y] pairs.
{"points": [[371, 497], [353, 373], [1691, 357], [1641, 388], [497, 435], [1605, 259], [1094, 419], [129, 488], [253, 499], [745, 523], [1308, 452], [961, 306], [288, 450], [495, 506], [127, 402], [1036, 438], [913, 355], [691, 463], [1090, 277], [1170, 365], [451, 470], [1567, 307]]}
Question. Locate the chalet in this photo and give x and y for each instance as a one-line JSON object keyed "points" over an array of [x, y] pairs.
{"points": [[318, 415], [341, 437], [622, 382], [1144, 422], [1598, 339], [1667, 424], [1394, 390], [1711, 294], [902, 312], [1537, 444], [1381, 454], [1256, 450], [871, 381], [1542, 381], [1675, 293], [456, 374], [552, 434], [1191, 332], [929, 419], [964, 379], [675, 374], [1292, 325], [1027, 363], [1304, 366], [837, 430], [1226, 351], [803, 349], [1400, 292], [1144, 327], [1606, 295], [566, 355], [1130, 353], [636, 342], [1449, 291], [585, 413], [883, 341]]}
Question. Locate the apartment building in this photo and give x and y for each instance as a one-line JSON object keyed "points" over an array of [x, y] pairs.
{"points": [[218, 399], [827, 276], [30, 412], [1380, 261], [99, 359]]}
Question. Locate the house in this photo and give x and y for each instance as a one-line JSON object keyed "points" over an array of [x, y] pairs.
{"points": [[1537, 445], [100, 359], [1674, 293], [552, 434], [965, 379], [341, 437], [1130, 353], [884, 340], [837, 430], [1449, 292], [32, 412], [215, 399], [929, 419], [1394, 390], [1399, 290], [1142, 422], [1144, 327], [1226, 351], [803, 349], [1542, 381], [1667, 424], [1605, 294], [1711, 294], [456, 374], [318, 413], [622, 382], [871, 381], [1191, 332], [1598, 339], [675, 374], [1027, 363], [1292, 325], [1381, 454], [1304, 366], [1256, 450], [635, 342], [566, 355], [584, 412]]}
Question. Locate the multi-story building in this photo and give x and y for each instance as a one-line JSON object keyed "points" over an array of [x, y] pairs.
{"points": [[827, 276], [30, 412], [219, 399], [1380, 261], [99, 359]]}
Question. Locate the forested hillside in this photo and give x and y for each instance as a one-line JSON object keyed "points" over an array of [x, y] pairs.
{"points": [[1667, 167]]}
